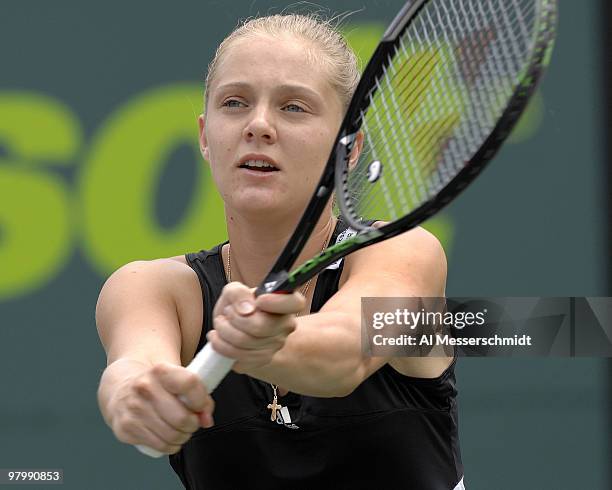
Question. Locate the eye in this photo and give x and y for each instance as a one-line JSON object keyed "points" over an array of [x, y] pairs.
{"points": [[233, 103], [293, 108]]}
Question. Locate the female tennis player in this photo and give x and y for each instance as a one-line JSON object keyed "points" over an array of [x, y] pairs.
{"points": [[303, 407]]}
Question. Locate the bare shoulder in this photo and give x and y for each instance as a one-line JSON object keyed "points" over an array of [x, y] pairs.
{"points": [[161, 296], [416, 257], [164, 278]]}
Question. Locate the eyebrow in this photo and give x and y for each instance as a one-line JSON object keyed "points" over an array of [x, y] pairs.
{"points": [[285, 87]]}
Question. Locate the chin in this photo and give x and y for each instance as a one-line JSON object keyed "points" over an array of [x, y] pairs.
{"points": [[249, 202], [266, 204]]}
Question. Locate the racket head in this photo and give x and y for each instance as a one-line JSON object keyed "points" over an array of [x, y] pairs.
{"points": [[437, 100], [419, 52]]}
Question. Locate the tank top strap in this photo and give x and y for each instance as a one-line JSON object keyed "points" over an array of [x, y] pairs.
{"points": [[208, 266], [329, 279]]}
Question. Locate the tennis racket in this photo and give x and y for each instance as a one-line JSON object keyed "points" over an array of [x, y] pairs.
{"points": [[441, 93]]}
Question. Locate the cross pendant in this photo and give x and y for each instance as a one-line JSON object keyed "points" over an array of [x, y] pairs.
{"points": [[274, 406]]}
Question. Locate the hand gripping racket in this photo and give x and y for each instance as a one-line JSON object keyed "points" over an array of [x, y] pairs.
{"points": [[441, 93]]}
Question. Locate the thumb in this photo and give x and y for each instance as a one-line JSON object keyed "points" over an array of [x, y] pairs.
{"points": [[240, 297]]}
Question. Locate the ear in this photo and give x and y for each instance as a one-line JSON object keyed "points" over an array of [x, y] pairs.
{"points": [[356, 151], [202, 137]]}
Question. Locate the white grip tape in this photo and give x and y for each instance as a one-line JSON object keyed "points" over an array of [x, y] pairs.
{"points": [[211, 367]]}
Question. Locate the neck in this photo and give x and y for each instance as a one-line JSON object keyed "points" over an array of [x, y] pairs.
{"points": [[255, 245]]}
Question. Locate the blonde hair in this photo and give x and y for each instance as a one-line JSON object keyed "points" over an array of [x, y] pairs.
{"points": [[322, 34]]}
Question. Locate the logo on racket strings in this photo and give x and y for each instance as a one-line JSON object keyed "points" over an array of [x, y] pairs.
{"points": [[374, 171]]}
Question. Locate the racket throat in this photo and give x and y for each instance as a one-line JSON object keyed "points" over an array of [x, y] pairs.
{"points": [[276, 282]]}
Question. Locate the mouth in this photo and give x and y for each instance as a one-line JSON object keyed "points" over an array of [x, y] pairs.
{"points": [[258, 164]]}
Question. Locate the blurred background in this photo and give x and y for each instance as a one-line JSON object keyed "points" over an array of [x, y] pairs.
{"points": [[99, 165]]}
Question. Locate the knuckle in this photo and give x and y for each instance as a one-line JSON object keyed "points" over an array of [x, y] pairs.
{"points": [[133, 405], [191, 427], [124, 427], [160, 369], [220, 321], [223, 348], [143, 387], [125, 437], [291, 323], [225, 335], [174, 437], [192, 380], [181, 439], [228, 312], [186, 421], [182, 385], [172, 449]]}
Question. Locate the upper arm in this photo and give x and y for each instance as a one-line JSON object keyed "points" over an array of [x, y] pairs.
{"points": [[410, 264], [137, 313]]}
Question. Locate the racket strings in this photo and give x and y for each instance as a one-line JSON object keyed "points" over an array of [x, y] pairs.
{"points": [[438, 99], [416, 142], [409, 171], [440, 19]]}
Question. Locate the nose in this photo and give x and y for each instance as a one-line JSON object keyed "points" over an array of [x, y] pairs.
{"points": [[260, 127]]}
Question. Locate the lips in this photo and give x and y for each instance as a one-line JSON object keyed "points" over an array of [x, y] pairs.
{"points": [[258, 163]]}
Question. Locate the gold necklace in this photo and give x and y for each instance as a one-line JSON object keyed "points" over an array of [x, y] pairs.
{"points": [[274, 406]]}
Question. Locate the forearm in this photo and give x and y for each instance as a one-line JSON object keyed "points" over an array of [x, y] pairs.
{"points": [[322, 357], [113, 377]]}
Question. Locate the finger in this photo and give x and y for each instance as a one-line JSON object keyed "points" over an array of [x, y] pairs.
{"points": [[174, 416], [233, 352], [159, 444], [281, 304], [132, 429], [153, 401], [236, 330], [239, 295], [168, 433], [259, 326], [153, 441], [181, 382], [255, 362], [150, 439]]}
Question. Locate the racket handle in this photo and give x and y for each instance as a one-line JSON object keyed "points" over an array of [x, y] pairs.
{"points": [[211, 367]]}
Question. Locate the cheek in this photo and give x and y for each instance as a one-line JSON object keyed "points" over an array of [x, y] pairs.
{"points": [[315, 148], [325, 139], [220, 155], [218, 144]]}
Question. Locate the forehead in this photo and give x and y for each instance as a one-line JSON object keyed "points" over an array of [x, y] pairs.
{"points": [[273, 60]]}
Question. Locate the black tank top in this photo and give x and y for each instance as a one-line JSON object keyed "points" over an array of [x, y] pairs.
{"points": [[392, 432]]}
